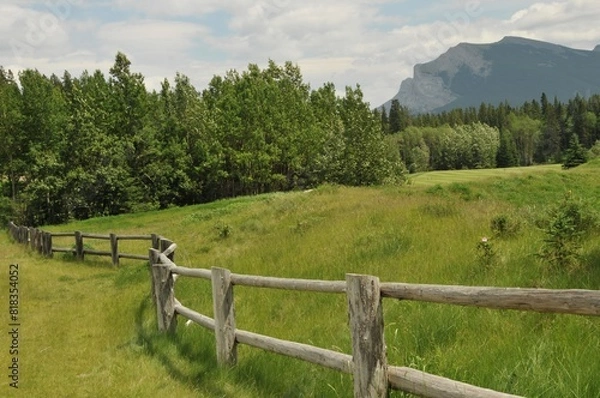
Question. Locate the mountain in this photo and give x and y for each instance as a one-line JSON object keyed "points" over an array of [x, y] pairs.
{"points": [[514, 69]]}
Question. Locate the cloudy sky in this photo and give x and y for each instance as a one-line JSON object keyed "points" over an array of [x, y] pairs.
{"points": [[373, 43]]}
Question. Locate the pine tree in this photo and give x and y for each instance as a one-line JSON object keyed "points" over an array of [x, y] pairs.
{"points": [[507, 151], [575, 154]]}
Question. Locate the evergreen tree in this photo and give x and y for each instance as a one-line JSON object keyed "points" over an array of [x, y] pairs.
{"points": [[399, 117], [385, 121], [575, 154], [507, 151], [549, 148]]}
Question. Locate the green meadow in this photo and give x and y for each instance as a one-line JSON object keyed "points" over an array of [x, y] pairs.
{"points": [[89, 329], [432, 178]]}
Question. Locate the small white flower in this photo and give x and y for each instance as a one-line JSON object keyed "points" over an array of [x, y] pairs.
{"points": [[484, 239], [188, 323]]}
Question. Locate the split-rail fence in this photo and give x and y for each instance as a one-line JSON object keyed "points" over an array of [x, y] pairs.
{"points": [[41, 241], [373, 376]]}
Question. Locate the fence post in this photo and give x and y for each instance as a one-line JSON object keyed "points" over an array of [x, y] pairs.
{"points": [[164, 245], [224, 313], [23, 232], [43, 243], [114, 249], [164, 297], [368, 343], [35, 240], [155, 241], [48, 244], [78, 245], [32, 237], [39, 241]]}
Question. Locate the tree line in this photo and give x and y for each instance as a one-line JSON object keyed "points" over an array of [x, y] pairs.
{"points": [[95, 145], [500, 135]]}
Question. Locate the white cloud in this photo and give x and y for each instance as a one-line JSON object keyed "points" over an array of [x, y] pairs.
{"points": [[151, 39], [346, 42]]}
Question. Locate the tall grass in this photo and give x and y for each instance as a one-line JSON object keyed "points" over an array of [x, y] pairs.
{"points": [[413, 234]]}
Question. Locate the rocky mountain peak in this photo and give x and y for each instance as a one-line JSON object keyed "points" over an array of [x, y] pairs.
{"points": [[515, 69]]}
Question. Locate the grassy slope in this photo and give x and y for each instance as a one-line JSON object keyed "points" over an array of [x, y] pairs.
{"points": [[450, 176], [411, 234]]}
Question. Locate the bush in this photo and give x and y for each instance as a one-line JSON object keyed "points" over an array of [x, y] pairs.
{"points": [[566, 227], [504, 226], [594, 151]]}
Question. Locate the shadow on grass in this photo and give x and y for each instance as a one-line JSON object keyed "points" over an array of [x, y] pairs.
{"points": [[188, 355], [190, 364]]}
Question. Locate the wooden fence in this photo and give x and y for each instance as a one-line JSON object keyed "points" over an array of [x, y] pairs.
{"points": [[373, 377], [41, 241]]}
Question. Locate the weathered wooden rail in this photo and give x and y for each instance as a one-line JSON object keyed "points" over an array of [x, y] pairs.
{"points": [[42, 242], [373, 377]]}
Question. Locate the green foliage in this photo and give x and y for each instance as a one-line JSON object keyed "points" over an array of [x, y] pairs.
{"points": [[566, 226], [526, 135], [87, 146], [575, 154], [505, 226], [461, 147], [399, 117], [507, 151], [223, 230], [594, 151], [7, 212], [486, 253]]}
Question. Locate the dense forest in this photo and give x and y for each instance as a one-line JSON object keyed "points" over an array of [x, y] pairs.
{"points": [[501, 135], [77, 147], [94, 145]]}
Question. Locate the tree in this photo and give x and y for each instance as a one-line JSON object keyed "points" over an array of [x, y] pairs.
{"points": [[575, 154], [14, 143], [385, 121], [399, 117], [329, 129], [365, 161], [129, 111], [525, 132], [43, 123], [549, 147], [507, 151]]}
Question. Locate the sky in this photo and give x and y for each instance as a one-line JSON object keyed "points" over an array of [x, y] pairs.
{"points": [[371, 43]]}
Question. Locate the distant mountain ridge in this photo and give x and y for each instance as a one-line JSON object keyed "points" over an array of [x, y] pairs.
{"points": [[514, 69]]}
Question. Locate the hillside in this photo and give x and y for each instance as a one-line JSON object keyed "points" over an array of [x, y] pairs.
{"points": [[514, 69], [89, 329]]}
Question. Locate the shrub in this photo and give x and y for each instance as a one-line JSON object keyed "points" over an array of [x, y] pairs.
{"points": [[223, 230], [565, 230], [486, 252], [594, 151], [504, 226]]}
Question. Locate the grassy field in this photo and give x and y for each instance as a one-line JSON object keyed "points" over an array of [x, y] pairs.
{"points": [[458, 176], [89, 329]]}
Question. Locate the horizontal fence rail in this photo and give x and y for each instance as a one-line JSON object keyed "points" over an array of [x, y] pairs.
{"points": [[42, 241], [571, 301], [372, 376]]}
